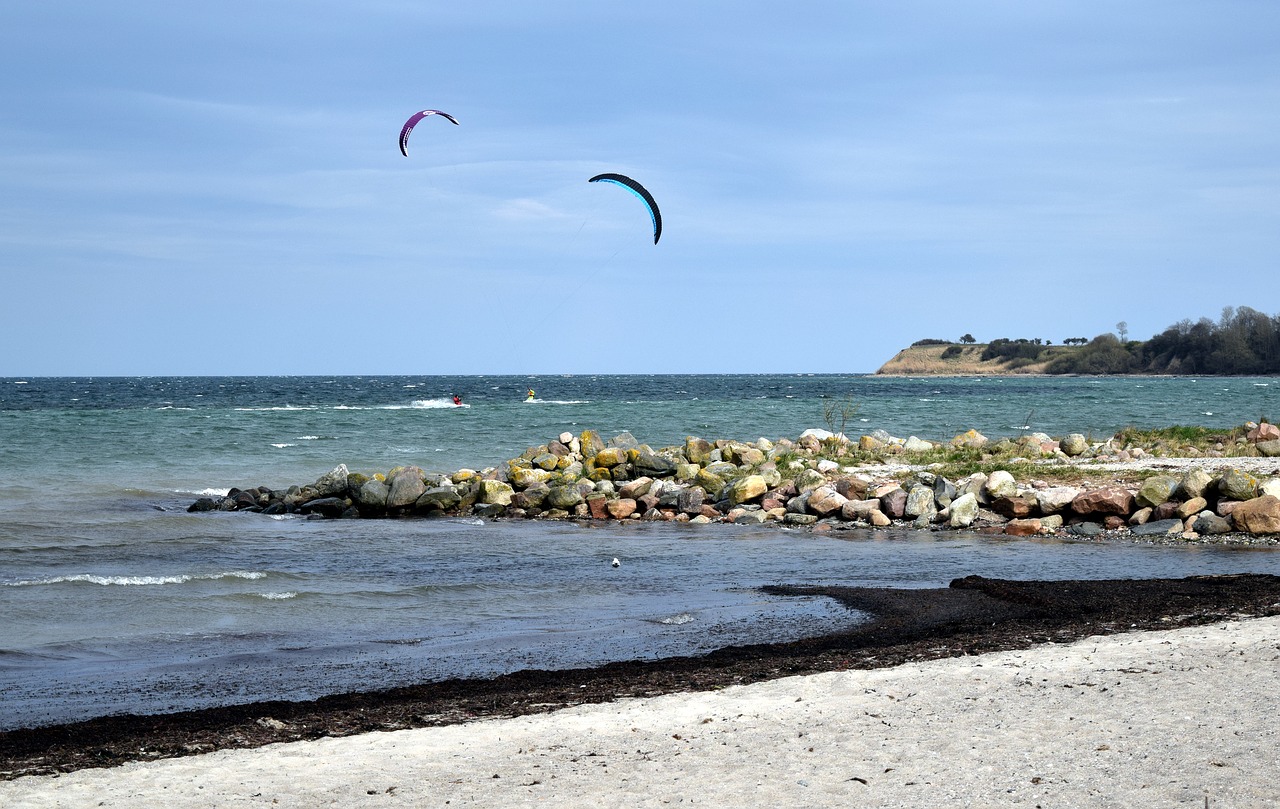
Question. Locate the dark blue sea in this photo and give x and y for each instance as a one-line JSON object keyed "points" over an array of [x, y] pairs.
{"points": [[114, 599]]}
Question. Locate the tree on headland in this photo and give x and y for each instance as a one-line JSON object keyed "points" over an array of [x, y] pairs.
{"points": [[968, 338], [1123, 328], [1242, 342]]}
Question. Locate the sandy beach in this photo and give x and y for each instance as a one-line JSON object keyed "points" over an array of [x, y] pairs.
{"points": [[1157, 718]]}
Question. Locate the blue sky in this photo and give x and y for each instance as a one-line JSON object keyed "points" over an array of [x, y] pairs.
{"points": [[216, 188]]}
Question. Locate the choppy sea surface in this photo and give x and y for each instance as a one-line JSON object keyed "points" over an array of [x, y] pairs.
{"points": [[115, 600]]}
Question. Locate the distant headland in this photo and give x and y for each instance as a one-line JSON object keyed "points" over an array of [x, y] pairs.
{"points": [[1243, 342]]}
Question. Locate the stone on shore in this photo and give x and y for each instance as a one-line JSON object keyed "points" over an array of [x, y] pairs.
{"points": [[1056, 499], [1260, 515], [1194, 483], [406, 487], [1157, 489], [1000, 484], [1074, 445], [438, 498], [1157, 528], [1022, 527], [971, 439], [746, 489], [825, 500], [564, 497], [964, 510], [495, 492], [1235, 484], [333, 482], [372, 495], [1263, 432], [1111, 500]]}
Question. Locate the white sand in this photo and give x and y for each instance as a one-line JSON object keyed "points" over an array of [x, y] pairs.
{"points": [[1143, 720]]}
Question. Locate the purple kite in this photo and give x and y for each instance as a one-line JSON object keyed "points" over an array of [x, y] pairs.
{"points": [[413, 120]]}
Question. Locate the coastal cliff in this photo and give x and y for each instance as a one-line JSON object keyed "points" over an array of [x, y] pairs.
{"points": [[965, 360]]}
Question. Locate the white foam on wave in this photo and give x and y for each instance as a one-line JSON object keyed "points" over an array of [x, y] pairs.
{"points": [[105, 581], [204, 492], [557, 401], [277, 596], [283, 408], [677, 620], [431, 404], [282, 446]]}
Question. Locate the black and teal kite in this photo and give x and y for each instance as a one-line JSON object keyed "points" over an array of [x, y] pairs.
{"points": [[640, 191]]}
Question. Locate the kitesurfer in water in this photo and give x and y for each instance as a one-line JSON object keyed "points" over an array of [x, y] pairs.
{"points": [[457, 400], [529, 395]]}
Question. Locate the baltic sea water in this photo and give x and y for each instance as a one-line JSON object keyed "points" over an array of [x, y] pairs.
{"points": [[114, 599]]}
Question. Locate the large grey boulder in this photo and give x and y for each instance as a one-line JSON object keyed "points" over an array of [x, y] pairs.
{"points": [[809, 479], [373, 495], [1209, 523], [406, 487], [563, 497], [1157, 528], [333, 482], [651, 464], [438, 498], [1195, 483], [920, 503]]}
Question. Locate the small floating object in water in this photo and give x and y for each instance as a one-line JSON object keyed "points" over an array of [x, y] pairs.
{"points": [[615, 562]]}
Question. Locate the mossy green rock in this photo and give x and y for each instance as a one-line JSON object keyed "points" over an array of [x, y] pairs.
{"points": [[1157, 489], [495, 492], [746, 489], [546, 461], [591, 442], [710, 481], [1235, 484], [610, 457], [524, 478], [697, 450], [809, 479], [563, 497]]}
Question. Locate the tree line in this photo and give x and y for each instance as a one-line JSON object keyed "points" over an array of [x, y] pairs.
{"points": [[1242, 342]]}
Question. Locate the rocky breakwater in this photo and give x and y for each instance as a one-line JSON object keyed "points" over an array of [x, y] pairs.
{"points": [[820, 480]]}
